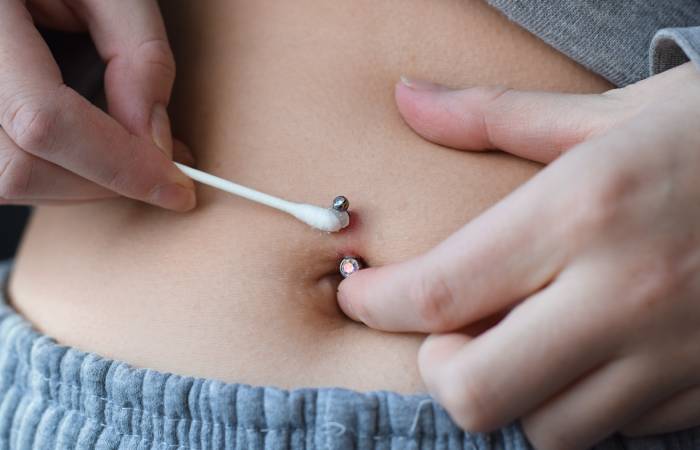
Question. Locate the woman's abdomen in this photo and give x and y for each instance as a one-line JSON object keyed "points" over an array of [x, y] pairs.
{"points": [[295, 99]]}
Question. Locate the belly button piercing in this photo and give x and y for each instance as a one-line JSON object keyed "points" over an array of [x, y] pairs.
{"points": [[349, 265], [341, 203], [330, 219]]}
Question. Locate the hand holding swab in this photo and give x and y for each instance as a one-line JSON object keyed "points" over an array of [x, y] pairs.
{"points": [[325, 219]]}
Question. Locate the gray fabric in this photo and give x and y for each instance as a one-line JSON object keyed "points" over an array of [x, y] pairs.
{"points": [[57, 397], [613, 38], [674, 46]]}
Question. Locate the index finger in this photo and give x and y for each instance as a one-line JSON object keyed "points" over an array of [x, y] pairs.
{"points": [[51, 121]]}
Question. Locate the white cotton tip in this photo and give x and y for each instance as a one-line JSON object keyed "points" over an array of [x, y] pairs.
{"points": [[324, 219]]}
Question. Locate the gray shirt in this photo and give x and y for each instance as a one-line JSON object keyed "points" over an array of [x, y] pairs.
{"points": [[622, 40]]}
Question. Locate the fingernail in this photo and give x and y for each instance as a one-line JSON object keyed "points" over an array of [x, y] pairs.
{"points": [[175, 197], [160, 129], [421, 85]]}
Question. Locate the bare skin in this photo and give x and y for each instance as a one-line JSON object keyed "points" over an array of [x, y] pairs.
{"points": [[296, 100]]}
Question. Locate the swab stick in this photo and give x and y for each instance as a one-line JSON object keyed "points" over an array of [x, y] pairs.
{"points": [[324, 219]]}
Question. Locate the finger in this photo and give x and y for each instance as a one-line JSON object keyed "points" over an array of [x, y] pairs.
{"points": [[534, 125], [26, 179], [502, 256], [598, 405], [543, 345], [140, 64], [437, 350], [54, 14], [677, 413], [47, 119]]}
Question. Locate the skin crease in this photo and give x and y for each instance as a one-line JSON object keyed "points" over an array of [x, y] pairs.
{"points": [[295, 99]]}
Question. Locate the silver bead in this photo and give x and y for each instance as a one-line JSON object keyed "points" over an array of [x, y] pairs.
{"points": [[349, 265], [341, 203]]}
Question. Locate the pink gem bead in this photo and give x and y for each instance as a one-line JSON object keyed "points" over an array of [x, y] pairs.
{"points": [[348, 266]]}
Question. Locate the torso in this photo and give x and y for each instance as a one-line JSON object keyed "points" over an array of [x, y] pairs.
{"points": [[295, 99]]}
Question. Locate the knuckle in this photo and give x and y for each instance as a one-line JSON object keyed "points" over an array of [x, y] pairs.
{"points": [[501, 98], [495, 96], [435, 302], [656, 279], [599, 210], [32, 126], [33, 120], [498, 99], [157, 53], [599, 203]]}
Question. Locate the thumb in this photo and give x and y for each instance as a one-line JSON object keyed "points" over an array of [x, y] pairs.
{"points": [[534, 125]]}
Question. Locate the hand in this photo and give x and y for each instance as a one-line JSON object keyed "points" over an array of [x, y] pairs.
{"points": [[54, 144], [595, 263]]}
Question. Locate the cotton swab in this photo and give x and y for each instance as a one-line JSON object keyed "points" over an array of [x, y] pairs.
{"points": [[324, 219]]}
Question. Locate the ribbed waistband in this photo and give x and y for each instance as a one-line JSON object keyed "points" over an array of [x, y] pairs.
{"points": [[53, 396]]}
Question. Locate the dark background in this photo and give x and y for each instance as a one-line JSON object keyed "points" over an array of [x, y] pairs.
{"points": [[12, 220], [82, 70]]}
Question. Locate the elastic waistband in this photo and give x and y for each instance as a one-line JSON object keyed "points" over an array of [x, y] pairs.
{"points": [[53, 396]]}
